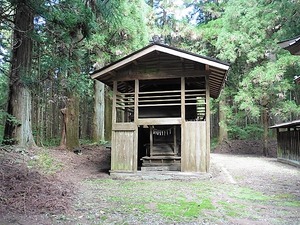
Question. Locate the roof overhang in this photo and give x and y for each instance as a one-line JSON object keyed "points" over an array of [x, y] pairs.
{"points": [[217, 69], [295, 123], [292, 45]]}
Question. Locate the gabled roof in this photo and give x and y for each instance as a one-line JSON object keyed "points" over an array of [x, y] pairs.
{"points": [[292, 45], [217, 69]]}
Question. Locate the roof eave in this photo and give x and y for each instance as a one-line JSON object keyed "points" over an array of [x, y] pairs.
{"points": [[161, 48], [286, 125]]}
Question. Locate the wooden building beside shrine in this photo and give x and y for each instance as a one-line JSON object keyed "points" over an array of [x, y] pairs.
{"points": [[288, 134], [288, 142], [292, 45], [161, 111]]}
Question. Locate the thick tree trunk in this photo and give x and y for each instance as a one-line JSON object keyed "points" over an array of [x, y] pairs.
{"points": [[108, 115], [99, 109], [70, 129], [18, 128], [265, 120], [223, 134]]}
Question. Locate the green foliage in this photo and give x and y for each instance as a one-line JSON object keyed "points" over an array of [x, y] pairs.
{"points": [[5, 117], [50, 142], [213, 143], [249, 132], [267, 86], [3, 99], [71, 35]]}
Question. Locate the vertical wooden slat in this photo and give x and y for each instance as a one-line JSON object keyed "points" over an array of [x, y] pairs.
{"points": [[113, 150], [203, 148], [198, 149]]}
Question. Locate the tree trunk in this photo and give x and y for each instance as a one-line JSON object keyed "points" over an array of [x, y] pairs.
{"points": [[265, 120], [70, 129], [223, 134], [108, 114], [18, 128], [99, 107], [63, 129]]}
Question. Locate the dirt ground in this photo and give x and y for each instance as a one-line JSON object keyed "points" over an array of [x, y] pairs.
{"points": [[243, 147], [75, 194]]}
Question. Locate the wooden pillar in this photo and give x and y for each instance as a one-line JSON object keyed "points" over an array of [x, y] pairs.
{"points": [[182, 99], [114, 113], [175, 140], [183, 158], [113, 134], [207, 116], [151, 139], [136, 117]]}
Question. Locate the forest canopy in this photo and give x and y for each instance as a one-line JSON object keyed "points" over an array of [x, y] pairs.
{"points": [[48, 49]]}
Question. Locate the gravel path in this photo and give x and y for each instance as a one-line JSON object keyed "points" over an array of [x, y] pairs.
{"points": [[261, 173]]}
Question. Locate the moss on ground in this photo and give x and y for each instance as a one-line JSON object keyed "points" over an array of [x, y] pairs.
{"points": [[182, 201]]}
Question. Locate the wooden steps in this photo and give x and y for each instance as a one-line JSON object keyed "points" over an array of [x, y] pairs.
{"points": [[161, 163]]}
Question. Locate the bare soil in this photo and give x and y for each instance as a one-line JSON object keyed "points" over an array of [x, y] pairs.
{"points": [[246, 147], [82, 192]]}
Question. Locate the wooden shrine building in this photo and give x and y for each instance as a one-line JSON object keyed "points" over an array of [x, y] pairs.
{"points": [[288, 134], [288, 142], [161, 113]]}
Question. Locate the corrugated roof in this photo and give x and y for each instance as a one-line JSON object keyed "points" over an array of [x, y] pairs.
{"points": [[148, 56]]}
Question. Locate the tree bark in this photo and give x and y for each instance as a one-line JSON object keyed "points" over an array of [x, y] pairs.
{"points": [[99, 109], [265, 120], [63, 129], [223, 134], [18, 127], [70, 129], [108, 115]]}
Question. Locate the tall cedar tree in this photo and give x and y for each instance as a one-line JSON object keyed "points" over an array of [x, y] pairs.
{"points": [[18, 124]]}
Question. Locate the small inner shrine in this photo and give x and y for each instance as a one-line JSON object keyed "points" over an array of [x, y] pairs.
{"points": [[161, 109]]}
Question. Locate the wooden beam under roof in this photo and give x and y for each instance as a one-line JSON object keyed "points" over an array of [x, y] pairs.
{"points": [[164, 49], [160, 75]]}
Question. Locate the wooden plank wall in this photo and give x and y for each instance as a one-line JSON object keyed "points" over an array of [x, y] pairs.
{"points": [[123, 155], [194, 149], [289, 146]]}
